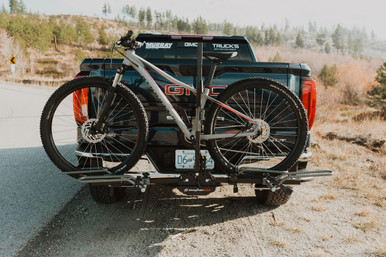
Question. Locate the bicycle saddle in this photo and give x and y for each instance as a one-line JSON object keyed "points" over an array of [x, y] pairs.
{"points": [[219, 57]]}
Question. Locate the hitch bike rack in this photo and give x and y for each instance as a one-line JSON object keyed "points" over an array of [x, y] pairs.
{"points": [[269, 179]]}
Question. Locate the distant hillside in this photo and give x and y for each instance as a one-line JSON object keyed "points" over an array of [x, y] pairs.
{"points": [[49, 49]]}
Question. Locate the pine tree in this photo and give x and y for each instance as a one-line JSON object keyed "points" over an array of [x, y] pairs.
{"points": [[287, 25], [200, 26], [84, 32], [228, 28], [13, 6], [299, 40], [250, 33], [149, 18], [278, 39], [22, 8], [320, 39], [103, 39], [259, 38], [377, 94], [183, 25], [141, 17], [327, 48], [338, 39], [106, 9], [169, 19]]}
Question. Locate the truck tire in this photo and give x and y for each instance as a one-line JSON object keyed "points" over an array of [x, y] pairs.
{"points": [[269, 198]]}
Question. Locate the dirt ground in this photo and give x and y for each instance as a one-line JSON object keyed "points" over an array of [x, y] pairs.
{"points": [[317, 221]]}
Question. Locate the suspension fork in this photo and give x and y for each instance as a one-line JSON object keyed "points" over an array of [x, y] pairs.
{"points": [[101, 121]]}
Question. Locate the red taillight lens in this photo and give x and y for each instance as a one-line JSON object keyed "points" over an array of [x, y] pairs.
{"points": [[80, 105], [309, 99]]}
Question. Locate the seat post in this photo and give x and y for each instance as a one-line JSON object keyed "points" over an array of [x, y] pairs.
{"points": [[197, 121], [212, 70]]}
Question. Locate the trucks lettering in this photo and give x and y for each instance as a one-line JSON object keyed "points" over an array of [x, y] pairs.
{"points": [[225, 46]]}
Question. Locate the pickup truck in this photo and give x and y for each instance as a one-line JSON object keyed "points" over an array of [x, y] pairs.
{"points": [[178, 58]]}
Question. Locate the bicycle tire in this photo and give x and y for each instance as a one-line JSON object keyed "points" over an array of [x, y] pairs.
{"points": [[70, 112], [277, 148]]}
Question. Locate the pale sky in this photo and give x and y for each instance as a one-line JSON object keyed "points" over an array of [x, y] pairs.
{"points": [[369, 14]]}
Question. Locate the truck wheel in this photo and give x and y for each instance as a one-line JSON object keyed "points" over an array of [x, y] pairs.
{"points": [[269, 198], [106, 194]]}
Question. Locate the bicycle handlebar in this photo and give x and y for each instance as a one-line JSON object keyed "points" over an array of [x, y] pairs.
{"points": [[126, 38], [127, 42]]}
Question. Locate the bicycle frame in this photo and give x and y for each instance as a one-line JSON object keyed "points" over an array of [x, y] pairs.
{"points": [[140, 65]]}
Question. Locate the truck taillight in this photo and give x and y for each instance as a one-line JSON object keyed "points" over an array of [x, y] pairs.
{"points": [[309, 99], [80, 105]]}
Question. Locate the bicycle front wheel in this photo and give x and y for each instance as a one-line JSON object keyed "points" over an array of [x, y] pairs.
{"points": [[280, 114], [74, 108]]}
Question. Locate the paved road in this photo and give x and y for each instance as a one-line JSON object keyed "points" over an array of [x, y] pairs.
{"points": [[32, 191]]}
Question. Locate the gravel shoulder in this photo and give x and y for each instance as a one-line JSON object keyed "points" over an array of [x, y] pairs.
{"points": [[166, 223]]}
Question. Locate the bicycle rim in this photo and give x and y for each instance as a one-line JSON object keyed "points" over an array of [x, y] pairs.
{"points": [[281, 116], [66, 133]]}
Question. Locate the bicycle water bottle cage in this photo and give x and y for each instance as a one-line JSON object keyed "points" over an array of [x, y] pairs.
{"points": [[219, 57]]}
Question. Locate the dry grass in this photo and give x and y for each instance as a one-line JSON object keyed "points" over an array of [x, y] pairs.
{"points": [[367, 226], [331, 196], [357, 164], [352, 239], [380, 251], [364, 213], [318, 208], [286, 227], [278, 243]]}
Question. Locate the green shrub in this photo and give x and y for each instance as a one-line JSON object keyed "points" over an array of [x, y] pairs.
{"points": [[329, 75], [79, 54], [84, 33], [377, 95], [103, 39]]}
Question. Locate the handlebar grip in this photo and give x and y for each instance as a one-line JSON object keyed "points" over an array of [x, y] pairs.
{"points": [[126, 37]]}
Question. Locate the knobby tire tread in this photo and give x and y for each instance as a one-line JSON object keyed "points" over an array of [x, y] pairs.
{"points": [[73, 85], [267, 84]]}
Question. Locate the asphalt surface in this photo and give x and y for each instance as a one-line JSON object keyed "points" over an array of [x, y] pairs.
{"points": [[32, 190]]}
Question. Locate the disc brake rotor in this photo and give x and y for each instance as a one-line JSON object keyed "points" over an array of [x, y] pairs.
{"points": [[90, 137], [265, 133]]}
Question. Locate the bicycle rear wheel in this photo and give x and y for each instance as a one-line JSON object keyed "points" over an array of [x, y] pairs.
{"points": [[281, 115], [74, 108]]}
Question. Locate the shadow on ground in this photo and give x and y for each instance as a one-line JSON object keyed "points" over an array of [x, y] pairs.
{"points": [[87, 228]]}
